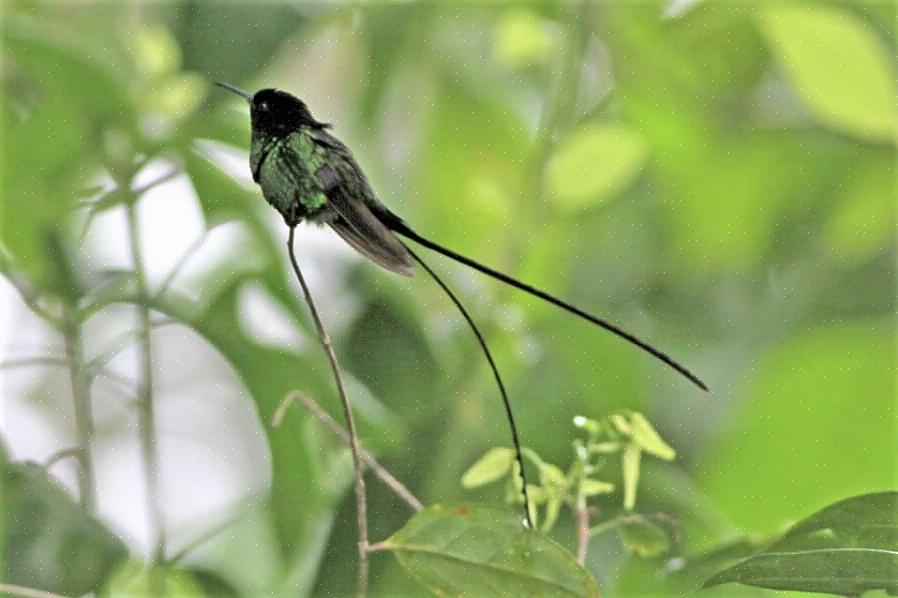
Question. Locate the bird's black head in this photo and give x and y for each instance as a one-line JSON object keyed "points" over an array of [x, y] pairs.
{"points": [[279, 113], [276, 113]]}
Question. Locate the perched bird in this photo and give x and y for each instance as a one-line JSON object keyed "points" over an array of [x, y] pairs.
{"points": [[306, 173]]}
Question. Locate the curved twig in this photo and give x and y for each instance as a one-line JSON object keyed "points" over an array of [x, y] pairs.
{"points": [[360, 500]]}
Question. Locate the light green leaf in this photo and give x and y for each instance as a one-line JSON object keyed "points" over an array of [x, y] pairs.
{"points": [[620, 422], [592, 487], [838, 65], [551, 476], [647, 438], [486, 551], [593, 164], [630, 465], [536, 493], [605, 448], [522, 37], [848, 548], [494, 464]]}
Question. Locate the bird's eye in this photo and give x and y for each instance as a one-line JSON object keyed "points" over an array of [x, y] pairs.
{"points": [[263, 106]]}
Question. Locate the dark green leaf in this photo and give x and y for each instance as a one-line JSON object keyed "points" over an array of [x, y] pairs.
{"points": [[49, 542], [486, 551], [643, 537], [846, 571], [847, 548], [871, 519], [232, 41]]}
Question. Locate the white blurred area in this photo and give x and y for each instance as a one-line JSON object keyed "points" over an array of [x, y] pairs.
{"points": [[213, 454], [212, 450]]}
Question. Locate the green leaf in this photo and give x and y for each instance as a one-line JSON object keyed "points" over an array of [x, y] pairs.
{"points": [[63, 104], [592, 487], [871, 519], [622, 424], [643, 537], [137, 579], [845, 571], [494, 464], [208, 32], [605, 448], [49, 542], [847, 548], [647, 438], [630, 466], [486, 551], [594, 164], [838, 65], [522, 38]]}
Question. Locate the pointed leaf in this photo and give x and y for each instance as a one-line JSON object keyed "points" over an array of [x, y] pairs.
{"points": [[839, 66], [847, 548], [493, 465], [592, 487], [630, 465], [647, 438], [486, 551]]}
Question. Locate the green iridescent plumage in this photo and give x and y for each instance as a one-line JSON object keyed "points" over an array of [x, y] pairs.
{"points": [[308, 174], [287, 172]]}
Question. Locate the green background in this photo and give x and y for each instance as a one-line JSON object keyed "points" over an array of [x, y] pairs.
{"points": [[717, 177]]}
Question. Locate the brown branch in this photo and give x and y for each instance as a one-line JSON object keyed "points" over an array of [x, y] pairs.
{"points": [[360, 501], [398, 488]]}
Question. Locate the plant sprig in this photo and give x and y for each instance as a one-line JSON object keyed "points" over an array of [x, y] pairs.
{"points": [[624, 436]]}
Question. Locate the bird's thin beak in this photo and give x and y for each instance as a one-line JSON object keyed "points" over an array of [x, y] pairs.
{"points": [[236, 90]]}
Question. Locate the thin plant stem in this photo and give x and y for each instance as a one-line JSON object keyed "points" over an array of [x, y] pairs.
{"points": [[582, 515], [84, 419], [398, 488], [360, 500], [146, 417]]}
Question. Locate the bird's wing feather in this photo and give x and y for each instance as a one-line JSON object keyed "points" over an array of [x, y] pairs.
{"points": [[359, 227]]}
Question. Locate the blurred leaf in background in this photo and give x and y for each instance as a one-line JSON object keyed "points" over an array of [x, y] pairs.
{"points": [[719, 178]]}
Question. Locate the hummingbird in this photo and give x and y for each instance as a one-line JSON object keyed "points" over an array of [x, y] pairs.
{"points": [[308, 174]]}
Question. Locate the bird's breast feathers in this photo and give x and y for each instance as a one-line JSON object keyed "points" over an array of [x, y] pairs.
{"points": [[286, 170]]}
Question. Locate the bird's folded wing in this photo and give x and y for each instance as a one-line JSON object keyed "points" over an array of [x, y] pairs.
{"points": [[359, 227]]}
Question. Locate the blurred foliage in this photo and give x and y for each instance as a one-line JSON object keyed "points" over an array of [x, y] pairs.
{"points": [[718, 177], [49, 542]]}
